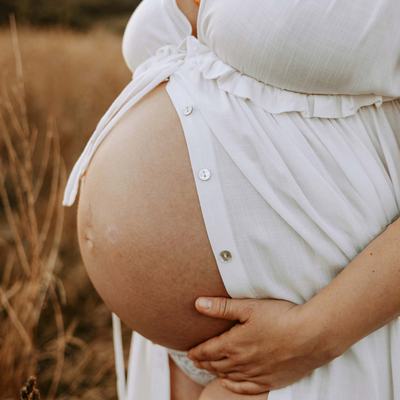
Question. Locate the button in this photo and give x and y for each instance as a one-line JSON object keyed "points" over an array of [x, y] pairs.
{"points": [[188, 110], [204, 174], [226, 255]]}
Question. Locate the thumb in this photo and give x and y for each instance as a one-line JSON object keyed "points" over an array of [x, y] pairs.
{"points": [[225, 308]]}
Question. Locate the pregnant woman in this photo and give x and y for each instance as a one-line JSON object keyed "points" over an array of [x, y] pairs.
{"points": [[254, 155]]}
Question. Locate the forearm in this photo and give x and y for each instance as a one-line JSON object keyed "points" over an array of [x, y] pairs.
{"points": [[362, 298]]}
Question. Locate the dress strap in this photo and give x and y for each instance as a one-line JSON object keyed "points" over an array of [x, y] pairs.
{"points": [[148, 370], [119, 357]]}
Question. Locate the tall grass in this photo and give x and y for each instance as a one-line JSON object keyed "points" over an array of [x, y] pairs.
{"points": [[54, 86], [32, 235]]}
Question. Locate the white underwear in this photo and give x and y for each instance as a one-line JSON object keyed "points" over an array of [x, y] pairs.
{"points": [[200, 376]]}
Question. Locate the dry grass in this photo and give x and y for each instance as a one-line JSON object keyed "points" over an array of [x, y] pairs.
{"points": [[52, 324]]}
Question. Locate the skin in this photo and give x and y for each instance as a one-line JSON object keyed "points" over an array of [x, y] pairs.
{"points": [[104, 242], [132, 252], [269, 348], [215, 391], [182, 387], [138, 238], [361, 299], [190, 8], [134, 255]]}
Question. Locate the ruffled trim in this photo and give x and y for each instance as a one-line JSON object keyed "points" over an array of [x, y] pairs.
{"points": [[169, 58], [271, 98]]}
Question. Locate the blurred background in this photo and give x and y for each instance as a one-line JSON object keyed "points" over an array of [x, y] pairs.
{"points": [[77, 14], [60, 68]]}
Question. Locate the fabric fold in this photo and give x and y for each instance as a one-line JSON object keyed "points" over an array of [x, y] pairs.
{"points": [[273, 99], [168, 59]]}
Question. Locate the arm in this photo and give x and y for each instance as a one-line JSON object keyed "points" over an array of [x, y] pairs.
{"points": [[277, 342], [364, 297]]}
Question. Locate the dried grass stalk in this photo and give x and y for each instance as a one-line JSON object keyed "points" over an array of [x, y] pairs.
{"points": [[71, 354], [32, 176], [30, 391]]}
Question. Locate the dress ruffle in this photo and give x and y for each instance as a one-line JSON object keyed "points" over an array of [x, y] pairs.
{"points": [[273, 99], [169, 58]]}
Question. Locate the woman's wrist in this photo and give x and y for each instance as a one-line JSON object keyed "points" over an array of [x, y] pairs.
{"points": [[317, 335], [360, 299]]}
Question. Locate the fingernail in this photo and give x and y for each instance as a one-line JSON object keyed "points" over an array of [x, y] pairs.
{"points": [[204, 303]]}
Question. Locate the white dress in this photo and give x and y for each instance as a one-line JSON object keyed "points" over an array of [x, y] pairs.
{"points": [[291, 115]]}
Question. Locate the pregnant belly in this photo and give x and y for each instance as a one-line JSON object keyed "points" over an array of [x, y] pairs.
{"points": [[141, 231]]}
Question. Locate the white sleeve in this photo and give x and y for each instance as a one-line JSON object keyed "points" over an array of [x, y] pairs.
{"points": [[153, 24]]}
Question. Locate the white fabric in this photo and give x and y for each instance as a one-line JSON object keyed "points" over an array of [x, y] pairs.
{"points": [[300, 183], [145, 359], [200, 376], [310, 46], [119, 357], [153, 24]]}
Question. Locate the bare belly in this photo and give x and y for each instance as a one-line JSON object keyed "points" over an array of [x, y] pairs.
{"points": [[141, 231]]}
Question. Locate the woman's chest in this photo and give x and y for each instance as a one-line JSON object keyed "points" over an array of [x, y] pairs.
{"points": [[326, 46]]}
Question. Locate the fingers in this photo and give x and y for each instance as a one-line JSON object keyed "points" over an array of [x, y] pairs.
{"points": [[213, 349], [244, 387], [224, 365], [239, 375], [222, 307], [226, 368]]}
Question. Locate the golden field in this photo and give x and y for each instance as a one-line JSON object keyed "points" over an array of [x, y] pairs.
{"points": [[54, 86]]}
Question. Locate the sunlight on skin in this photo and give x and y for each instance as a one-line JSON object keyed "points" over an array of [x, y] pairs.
{"points": [[215, 391], [190, 9]]}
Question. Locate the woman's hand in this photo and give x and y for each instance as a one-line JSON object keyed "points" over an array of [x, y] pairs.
{"points": [[273, 345]]}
